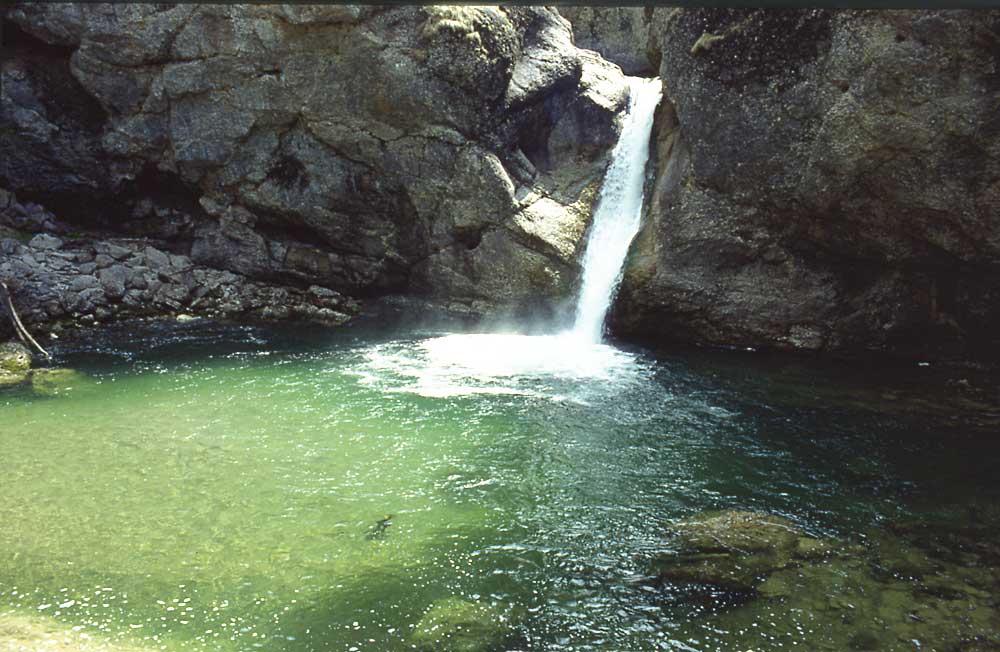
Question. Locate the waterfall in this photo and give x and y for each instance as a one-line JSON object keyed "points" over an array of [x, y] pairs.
{"points": [[618, 213], [461, 364]]}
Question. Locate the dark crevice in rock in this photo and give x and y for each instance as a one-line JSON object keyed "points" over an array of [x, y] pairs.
{"points": [[469, 237], [533, 136], [289, 172], [65, 99], [159, 205], [50, 129], [282, 228]]}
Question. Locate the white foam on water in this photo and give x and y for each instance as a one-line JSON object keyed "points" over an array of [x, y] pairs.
{"points": [[567, 366], [549, 366]]}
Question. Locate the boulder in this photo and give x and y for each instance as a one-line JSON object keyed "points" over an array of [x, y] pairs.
{"points": [[58, 381], [45, 242], [456, 625], [735, 550], [15, 363]]}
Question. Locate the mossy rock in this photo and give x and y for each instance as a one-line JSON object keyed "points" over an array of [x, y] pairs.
{"points": [[736, 531], [15, 358], [57, 382], [735, 550], [456, 625], [727, 571], [809, 548], [11, 380], [15, 364]]}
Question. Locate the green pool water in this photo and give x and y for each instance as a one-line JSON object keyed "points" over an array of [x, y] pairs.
{"points": [[204, 487]]}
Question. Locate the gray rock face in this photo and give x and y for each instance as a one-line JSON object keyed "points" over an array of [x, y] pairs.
{"points": [[620, 34], [367, 149], [826, 181]]}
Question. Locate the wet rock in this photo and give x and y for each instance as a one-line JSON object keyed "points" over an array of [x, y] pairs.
{"points": [[455, 625], [15, 363], [734, 549]]}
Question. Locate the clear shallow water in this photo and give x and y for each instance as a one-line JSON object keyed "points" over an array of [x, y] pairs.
{"points": [[219, 489]]}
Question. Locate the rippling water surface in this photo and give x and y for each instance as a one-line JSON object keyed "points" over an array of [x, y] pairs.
{"points": [[217, 488]]}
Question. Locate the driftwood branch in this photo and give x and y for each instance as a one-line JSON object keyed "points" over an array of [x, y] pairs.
{"points": [[22, 332]]}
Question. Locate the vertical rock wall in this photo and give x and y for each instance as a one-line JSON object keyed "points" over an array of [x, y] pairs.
{"points": [[826, 181], [451, 152]]}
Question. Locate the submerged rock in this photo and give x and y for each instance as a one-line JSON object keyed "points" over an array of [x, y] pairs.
{"points": [[56, 382], [15, 363], [36, 632], [927, 584], [734, 549], [377, 531], [456, 625]]}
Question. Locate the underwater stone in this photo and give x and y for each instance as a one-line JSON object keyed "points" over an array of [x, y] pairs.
{"points": [[735, 531], [53, 382], [456, 625], [735, 550], [865, 640]]}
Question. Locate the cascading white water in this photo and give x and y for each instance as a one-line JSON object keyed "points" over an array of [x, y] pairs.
{"points": [[619, 211], [537, 365]]}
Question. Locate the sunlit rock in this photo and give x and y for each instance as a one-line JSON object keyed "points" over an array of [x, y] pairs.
{"points": [[15, 362], [735, 549], [455, 625]]}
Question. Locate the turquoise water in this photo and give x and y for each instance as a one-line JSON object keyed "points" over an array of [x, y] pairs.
{"points": [[219, 488]]}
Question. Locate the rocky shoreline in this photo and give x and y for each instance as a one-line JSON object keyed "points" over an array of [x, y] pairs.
{"points": [[59, 283]]}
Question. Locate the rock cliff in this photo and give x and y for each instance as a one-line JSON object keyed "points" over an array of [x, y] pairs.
{"points": [[826, 181], [621, 35], [448, 152]]}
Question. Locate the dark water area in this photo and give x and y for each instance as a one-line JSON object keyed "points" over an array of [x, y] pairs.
{"points": [[199, 486]]}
